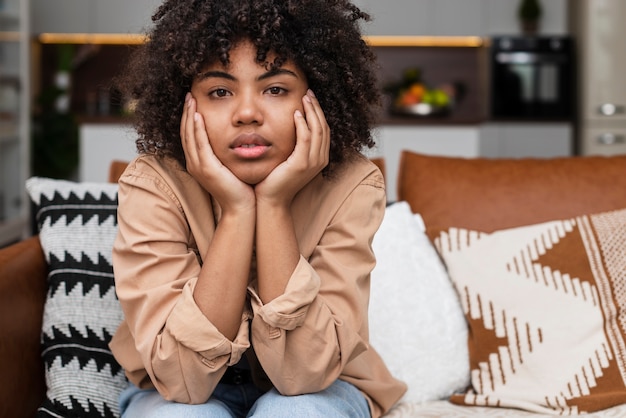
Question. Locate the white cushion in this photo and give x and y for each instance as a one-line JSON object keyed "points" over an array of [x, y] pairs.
{"points": [[416, 321]]}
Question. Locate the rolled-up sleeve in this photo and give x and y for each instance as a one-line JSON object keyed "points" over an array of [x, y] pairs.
{"points": [[305, 337], [289, 310], [156, 269], [188, 326]]}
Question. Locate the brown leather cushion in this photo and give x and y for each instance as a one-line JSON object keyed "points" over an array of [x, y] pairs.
{"points": [[23, 272], [116, 168], [492, 194]]}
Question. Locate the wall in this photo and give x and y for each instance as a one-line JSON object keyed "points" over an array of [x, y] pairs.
{"points": [[391, 17], [92, 16], [457, 17]]}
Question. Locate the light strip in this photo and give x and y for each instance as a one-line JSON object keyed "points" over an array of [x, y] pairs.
{"points": [[91, 38], [389, 41], [426, 41]]}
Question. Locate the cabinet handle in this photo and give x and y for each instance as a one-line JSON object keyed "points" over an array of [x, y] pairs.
{"points": [[611, 139], [610, 109]]}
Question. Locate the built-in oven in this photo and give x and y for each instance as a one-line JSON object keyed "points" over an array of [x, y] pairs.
{"points": [[532, 77]]}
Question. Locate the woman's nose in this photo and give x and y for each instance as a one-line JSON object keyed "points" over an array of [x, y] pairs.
{"points": [[248, 110]]}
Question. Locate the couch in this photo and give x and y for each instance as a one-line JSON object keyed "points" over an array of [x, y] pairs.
{"points": [[455, 309]]}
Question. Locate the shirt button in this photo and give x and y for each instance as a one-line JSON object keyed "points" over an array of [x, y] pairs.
{"points": [[238, 378]]}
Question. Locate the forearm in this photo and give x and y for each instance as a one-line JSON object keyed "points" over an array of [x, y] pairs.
{"points": [[301, 340], [277, 251], [221, 289], [306, 337]]}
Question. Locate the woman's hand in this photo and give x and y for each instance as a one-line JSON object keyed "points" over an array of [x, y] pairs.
{"points": [[206, 168], [309, 157]]}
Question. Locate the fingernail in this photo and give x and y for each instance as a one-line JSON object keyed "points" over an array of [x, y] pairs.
{"points": [[298, 113], [187, 97], [307, 98], [310, 93]]}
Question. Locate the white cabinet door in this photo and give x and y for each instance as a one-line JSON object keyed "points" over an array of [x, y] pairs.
{"points": [[519, 140], [604, 63], [603, 141]]}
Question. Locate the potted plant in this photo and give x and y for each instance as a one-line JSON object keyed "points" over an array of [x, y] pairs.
{"points": [[529, 14], [54, 133]]}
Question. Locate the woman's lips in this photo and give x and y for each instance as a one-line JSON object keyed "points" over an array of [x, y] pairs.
{"points": [[250, 146]]}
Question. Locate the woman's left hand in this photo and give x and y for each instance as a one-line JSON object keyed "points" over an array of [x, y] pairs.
{"points": [[309, 157]]}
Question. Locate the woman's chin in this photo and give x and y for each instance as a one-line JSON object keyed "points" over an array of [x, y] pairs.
{"points": [[252, 178]]}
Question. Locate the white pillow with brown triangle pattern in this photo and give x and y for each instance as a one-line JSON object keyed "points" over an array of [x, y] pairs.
{"points": [[546, 307]]}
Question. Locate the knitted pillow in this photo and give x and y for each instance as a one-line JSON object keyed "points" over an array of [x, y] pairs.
{"points": [[77, 223], [546, 307], [415, 319]]}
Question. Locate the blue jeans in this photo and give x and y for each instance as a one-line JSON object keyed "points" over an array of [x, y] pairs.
{"points": [[341, 399]]}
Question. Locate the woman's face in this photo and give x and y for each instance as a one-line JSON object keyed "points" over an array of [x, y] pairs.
{"points": [[249, 111]]}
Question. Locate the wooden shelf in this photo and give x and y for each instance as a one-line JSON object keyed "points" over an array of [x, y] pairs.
{"points": [[135, 39], [426, 41]]}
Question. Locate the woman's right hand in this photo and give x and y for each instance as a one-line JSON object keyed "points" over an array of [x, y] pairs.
{"points": [[206, 168]]}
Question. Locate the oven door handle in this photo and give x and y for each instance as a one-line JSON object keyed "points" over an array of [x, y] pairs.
{"points": [[611, 109], [609, 138]]}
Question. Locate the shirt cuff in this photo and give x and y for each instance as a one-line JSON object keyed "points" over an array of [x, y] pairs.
{"points": [[191, 328], [288, 311]]}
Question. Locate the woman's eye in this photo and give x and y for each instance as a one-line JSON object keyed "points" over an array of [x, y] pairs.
{"points": [[275, 91], [219, 93]]}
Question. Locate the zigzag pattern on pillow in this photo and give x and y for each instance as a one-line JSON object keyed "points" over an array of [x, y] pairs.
{"points": [[545, 304], [77, 226]]}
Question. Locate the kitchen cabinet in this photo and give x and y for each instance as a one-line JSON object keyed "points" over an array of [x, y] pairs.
{"points": [[528, 139], [604, 140], [14, 119], [600, 32], [604, 59]]}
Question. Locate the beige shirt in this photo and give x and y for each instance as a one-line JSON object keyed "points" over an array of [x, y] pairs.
{"points": [[313, 334]]}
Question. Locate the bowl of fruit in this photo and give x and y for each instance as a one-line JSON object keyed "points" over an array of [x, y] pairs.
{"points": [[411, 96]]}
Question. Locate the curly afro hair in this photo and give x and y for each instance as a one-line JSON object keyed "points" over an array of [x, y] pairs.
{"points": [[322, 37]]}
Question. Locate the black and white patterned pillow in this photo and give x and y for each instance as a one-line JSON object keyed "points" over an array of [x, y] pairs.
{"points": [[77, 223]]}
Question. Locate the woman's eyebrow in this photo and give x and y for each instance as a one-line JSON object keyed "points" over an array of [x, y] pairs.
{"points": [[222, 74], [217, 74], [276, 71]]}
